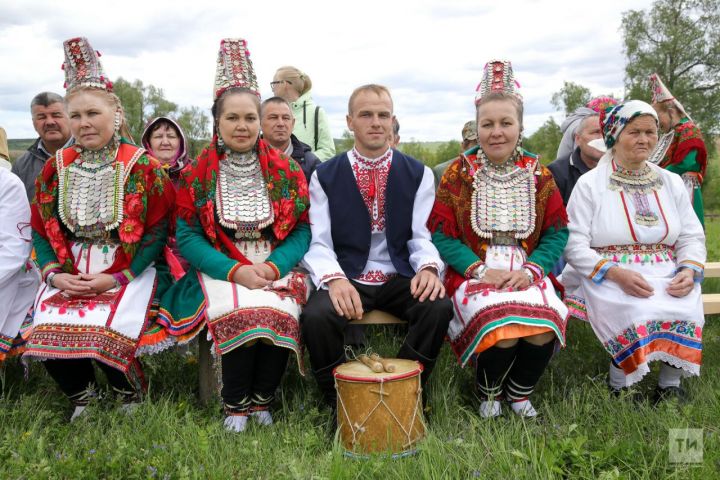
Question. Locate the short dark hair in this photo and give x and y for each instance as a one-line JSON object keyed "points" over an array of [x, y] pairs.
{"points": [[275, 99], [45, 99], [396, 127]]}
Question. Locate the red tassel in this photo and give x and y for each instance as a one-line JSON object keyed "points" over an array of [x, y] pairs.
{"points": [[62, 67], [81, 313], [615, 258], [43, 307], [91, 306], [637, 258], [465, 301], [486, 293], [62, 310], [372, 190], [98, 53]]}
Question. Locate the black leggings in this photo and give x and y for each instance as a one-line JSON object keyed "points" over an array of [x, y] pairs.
{"points": [[251, 374], [76, 376]]}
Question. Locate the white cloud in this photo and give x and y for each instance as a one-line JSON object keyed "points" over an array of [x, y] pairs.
{"points": [[429, 52]]}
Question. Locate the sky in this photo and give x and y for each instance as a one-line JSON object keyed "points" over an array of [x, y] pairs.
{"points": [[430, 53]]}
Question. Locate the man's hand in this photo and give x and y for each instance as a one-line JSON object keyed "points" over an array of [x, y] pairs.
{"points": [[632, 283], [426, 284], [682, 284], [249, 278], [345, 298]]}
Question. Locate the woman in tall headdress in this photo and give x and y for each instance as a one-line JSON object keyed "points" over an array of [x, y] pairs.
{"points": [[500, 223], [99, 222], [635, 256], [681, 148], [242, 225]]}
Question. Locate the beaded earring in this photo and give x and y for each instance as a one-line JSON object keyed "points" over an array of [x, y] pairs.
{"points": [[116, 126], [220, 143]]}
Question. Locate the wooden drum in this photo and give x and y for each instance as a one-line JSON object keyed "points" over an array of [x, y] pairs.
{"points": [[379, 412]]}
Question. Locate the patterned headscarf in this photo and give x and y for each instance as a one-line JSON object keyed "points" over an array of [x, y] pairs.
{"points": [[614, 119]]}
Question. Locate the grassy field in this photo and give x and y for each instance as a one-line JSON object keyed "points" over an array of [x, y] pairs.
{"points": [[582, 432]]}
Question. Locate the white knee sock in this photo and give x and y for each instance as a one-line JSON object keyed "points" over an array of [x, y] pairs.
{"points": [[617, 378], [669, 376]]}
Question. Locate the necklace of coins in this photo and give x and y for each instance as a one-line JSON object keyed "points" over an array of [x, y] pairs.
{"points": [[242, 199], [638, 184], [661, 148], [503, 199], [91, 192]]}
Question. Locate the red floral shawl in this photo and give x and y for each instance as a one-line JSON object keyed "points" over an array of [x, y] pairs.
{"points": [[286, 186], [148, 199], [452, 209], [687, 138]]}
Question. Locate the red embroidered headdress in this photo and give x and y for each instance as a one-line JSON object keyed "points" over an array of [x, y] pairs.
{"points": [[234, 67], [82, 66], [497, 77]]}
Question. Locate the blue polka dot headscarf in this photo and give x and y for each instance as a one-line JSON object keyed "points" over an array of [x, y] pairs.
{"points": [[614, 119]]}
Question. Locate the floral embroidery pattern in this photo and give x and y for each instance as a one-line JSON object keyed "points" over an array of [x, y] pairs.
{"points": [[634, 334]]}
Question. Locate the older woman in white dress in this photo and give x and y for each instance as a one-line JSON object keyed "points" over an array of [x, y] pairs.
{"points": [[636, 255]]}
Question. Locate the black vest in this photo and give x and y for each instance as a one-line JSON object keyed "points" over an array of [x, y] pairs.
{"points": [[350, 219]]}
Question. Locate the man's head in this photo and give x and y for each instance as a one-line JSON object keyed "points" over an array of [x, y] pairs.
{"points": [[50, 120], [589, 130], [276, 122], [370, 118], [394, 137], [469, 135]]}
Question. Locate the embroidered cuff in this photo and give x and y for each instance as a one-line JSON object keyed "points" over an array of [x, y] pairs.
{"points": [[275, 269], [50, 268], [471, 269], [537, 271], [696, 267], [330, 276], [598, 273], [232, 271], [430, 265], [123, 277]]}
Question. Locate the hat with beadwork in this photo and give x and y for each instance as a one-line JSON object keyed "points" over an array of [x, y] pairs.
{"points": [[497, 77], [661, 94], [82, 66], [234, 67]]}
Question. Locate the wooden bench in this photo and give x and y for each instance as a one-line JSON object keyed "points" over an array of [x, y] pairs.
{"points": [[208, 380], [711, 301]]}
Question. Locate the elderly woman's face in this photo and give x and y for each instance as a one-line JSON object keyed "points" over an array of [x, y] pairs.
{"points": [[637, 140], [165, 143], [498, 129], [92, 119]]}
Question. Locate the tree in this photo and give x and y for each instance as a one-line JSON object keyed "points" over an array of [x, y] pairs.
{"points": [[570, 97], [545, 141], [679, 40], [194, 122], [346, 142], [132, 98]]}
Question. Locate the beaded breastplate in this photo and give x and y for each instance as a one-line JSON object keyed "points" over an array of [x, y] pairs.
{"points": [[242, 199], [90, 193], [638, 184], [503, 200]]}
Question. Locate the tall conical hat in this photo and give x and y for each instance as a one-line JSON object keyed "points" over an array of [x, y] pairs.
{"points": [[497, 77], [82, 66], [661, 94], [234, 67]]}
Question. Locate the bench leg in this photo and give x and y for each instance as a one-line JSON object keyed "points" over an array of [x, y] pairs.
{"points": [[206, 370]]}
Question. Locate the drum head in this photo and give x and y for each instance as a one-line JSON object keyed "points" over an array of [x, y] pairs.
{"points": [[356, 371]]}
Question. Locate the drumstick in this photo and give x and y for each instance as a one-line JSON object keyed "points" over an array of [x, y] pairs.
{"points": [[372, 365], [387, 366]]}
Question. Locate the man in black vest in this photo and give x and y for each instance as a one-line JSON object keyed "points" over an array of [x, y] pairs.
{"points": [[370, 246]]}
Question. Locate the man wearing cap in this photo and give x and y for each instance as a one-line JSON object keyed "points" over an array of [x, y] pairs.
{"points": [[51, 123], [277, 122], [370, 247], [469, 140]]}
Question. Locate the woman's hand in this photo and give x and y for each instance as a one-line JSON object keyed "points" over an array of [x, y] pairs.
{"points": [[495, 277], [98, 282], [264, 270], [517, 280], [71, 285], [249, 278], [682, 283], [632, 283]]}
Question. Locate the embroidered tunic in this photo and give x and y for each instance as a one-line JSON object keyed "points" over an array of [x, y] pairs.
{"points": [[371, 178], [224, 222], [607, 229], [19, 278], [114, 222], [683, 151], [510, 218]]}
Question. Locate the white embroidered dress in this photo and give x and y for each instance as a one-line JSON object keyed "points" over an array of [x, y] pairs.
{"points": [[607, 228]]}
